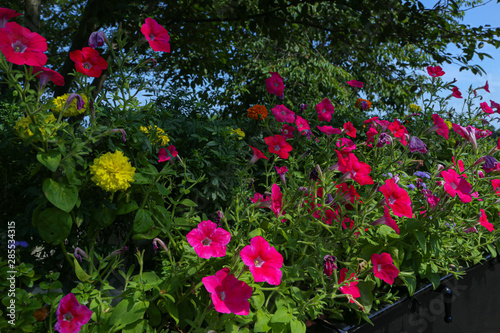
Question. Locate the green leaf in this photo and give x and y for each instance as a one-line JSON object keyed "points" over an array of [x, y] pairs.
{"points": [[434, 278], [50, 159], [54, 225], [126, 207], [297, 326], [281, 316], [231, 327], [435, 245], [142, 222], [258, 299], [189, 203], [421, 240], [410, 281], [172, 309], [62, 196], [127, 312], [365, 290], [262, 320], [80, 273]]}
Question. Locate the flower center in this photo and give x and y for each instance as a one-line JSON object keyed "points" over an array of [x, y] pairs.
{"points": [[258, 261], [277, 148], [151, 36], [87, 65], [206, 242], [19, 47], [283, 113], [222, 295], [379, 267], [68, 316], [391, 200]]}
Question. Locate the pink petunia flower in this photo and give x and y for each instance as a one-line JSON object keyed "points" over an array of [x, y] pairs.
{"points": [[383, 267], [346, 145], [487, 86], [287, 131], [282, 172], [302, 125], [228, 294], [6, 14], [208, 240], [349, 129], [329, 265], [455, 184], [283, 114], [275, 85], [257, 155], [165, 154], [265, 202], [88, 61], [468, 133], [371, 133], [263, 261], [496, 185], [277, 145], [355, 84], [329, 130], [484, 221], [387, 220], [486, 108], [46, 74], [439, 126], [71, 315], [495, 105], [277, 201], [456, 93], [397, 198], [156, 35], [436, 71], [20, 46], [351, 288], [353, 169], [399, 131], [325, 110]]}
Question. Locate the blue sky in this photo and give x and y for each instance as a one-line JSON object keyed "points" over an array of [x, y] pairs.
{"points": [[478, 16]]}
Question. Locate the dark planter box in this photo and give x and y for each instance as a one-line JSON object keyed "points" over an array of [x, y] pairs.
{"points": [[470, 304]]}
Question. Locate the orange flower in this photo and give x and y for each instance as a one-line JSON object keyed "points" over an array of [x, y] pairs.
{"points": [[257, 112], [363, 106]]}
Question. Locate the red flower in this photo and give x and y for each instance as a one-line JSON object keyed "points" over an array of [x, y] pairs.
{"points": [[278, 145], [355, 84], [439, 126], [486, 108], [495, 105], [282, 172], [399, 131], [20, 46], [397, 198], [302, 125], [71, 315], [371, 133], [346, 145], [164, 156], [350, 129], [156, 35], [456, 93], [484, 221], [257, 155], [277, 201], [283, 114], [387, 220], [46, 74], [208, 240], [263, 261], [287, 131], [351, 286], [496, 184], [347, 194], [435, 71], [6, 14], [88, 62], [468, 133], [275, 85], [383, 267], [455, 184], [487, 86], [325, 110], [265, 202], [329, 130], [353, 169], [228, 294]]}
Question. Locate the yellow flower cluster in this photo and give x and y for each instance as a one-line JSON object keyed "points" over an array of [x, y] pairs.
{"points": [[112, 172], [72, 109], [415, 108], [238, 132], [257, 112], [157, 133], [22, 126]]}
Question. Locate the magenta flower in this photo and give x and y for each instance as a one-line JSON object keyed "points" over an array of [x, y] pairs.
{"points": [[353, 168], [277, 145], [88, 61], [399, 131], [455, 184], [97, 39], [282, 172], [496, 184], [486, 108], [484, 221], [329, 130], [156, 35], [302, 125], [351, 286], [264, 201], [495, 105], [71, 315], [228, 294], [355, 84], [283, 114], [208, 240], [345, 145], [329, 265], [277, 201], [287, 131], [46, 74], [439, 126], [416, 144], [456, 93], [349, 129], [436, 71], [325, 110], [383, 267], [20, 46], [387, 220], [275, 85], [263, 261], [257, 155], [468, 133], [165, 154], [487, 86], [397, 198], [6, 14]]}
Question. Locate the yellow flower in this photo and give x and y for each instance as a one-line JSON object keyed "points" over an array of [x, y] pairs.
{"points": [[22, 126], [257, 112], [239, 132], [158, 134], [415, 108], [72, 109], [112, 172], [448, 123]]}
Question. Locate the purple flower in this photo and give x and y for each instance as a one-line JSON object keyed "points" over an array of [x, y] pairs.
{"points": [[282, 172], [79, 252], [157, 241], [416, 144], [384, 139], [411, 187], [329, 264], [20, 243], [422, 174], [97, 39], [490, 164], [80, 103]]}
